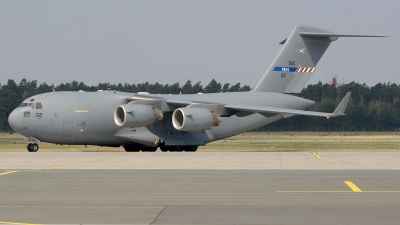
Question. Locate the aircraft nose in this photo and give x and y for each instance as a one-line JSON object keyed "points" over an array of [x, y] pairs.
{"points": [[14, 120]]}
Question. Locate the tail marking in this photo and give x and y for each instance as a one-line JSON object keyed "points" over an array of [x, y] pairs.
{"points": [[305, 70]]}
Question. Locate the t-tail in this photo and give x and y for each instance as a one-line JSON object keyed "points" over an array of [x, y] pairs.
{"points": [[297, 60]]}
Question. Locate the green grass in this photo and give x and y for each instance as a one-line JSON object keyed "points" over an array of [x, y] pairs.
{"points": [[20, 146], [303, 145], [252, 141], [234, 145]]}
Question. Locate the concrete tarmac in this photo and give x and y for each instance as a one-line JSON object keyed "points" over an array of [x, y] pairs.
{"points": [[200, 160], [205, 188]]}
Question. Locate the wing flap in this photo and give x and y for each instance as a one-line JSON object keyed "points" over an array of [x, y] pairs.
{"points": [[263, 109]]}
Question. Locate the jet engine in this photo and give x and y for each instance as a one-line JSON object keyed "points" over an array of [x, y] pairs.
{"points": [[131, 115], [194, 119]]}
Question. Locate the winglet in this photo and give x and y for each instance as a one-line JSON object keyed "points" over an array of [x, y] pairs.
{"points": [[342, 106]]}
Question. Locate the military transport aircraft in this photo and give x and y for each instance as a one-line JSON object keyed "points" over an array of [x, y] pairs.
{"points": [[144, 122]]}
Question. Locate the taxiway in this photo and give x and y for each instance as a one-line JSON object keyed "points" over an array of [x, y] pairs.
{"points": [[200, 188]]}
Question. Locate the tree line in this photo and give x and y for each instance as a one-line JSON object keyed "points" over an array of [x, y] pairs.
{"points": [[375, 108], [368, 108]]}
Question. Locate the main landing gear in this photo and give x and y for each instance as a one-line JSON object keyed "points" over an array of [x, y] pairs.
{"points": [[137, 148], [132, 148], [175, 148], [32, 147]]}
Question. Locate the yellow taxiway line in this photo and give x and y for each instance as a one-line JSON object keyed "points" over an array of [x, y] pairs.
{"points": [[316, 155], [55, 167], [8, 172], [339, 191], [15, 223], [352, 186]]}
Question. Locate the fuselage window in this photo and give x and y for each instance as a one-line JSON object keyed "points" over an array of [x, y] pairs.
{"points": [[23, 105], [27, 114], [38, 105], [31, 105]]}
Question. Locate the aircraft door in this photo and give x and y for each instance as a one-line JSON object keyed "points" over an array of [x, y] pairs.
{"points": [[67, 129]]}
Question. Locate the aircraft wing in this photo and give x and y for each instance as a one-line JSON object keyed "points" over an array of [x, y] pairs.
{"points": [[263, 109], [227, 109]]}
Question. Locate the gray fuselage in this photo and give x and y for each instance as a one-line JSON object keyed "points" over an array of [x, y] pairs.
{"points": [[86, 118]]}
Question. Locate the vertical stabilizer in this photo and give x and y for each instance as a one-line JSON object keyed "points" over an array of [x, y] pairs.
{"points": [[295, 63]]}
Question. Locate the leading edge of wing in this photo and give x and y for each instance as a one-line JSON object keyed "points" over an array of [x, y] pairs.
{"points": [[264, 109]]}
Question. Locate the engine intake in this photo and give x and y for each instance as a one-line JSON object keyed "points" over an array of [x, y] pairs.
{"points": [[194, 119], [130, 115]]}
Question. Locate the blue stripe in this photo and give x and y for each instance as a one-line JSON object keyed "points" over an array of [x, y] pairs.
{"points": [[285, 69]]}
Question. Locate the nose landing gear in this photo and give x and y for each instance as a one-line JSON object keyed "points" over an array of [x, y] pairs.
{"points": [[32, 147]]}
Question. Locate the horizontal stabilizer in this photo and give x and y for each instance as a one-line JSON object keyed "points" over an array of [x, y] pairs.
{"points": [[312, 34], [262, 109]]}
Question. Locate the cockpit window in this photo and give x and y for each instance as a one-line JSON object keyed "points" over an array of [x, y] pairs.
{"points": [[33, 105], [38, 105]]}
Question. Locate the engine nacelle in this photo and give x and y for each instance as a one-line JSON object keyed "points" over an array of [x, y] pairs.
{"points": [[194, 119], [131, 115]]}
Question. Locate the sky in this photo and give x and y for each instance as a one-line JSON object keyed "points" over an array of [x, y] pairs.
{"points": [[175, 41]]}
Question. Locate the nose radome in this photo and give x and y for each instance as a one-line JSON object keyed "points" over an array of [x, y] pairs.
{"points": [[14, 120]]}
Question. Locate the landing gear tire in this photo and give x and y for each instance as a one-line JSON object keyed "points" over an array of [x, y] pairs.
{"points": [[176, 148], [32, 147], [164, 148], [190, 148], [131, 148], [149, 149]]}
